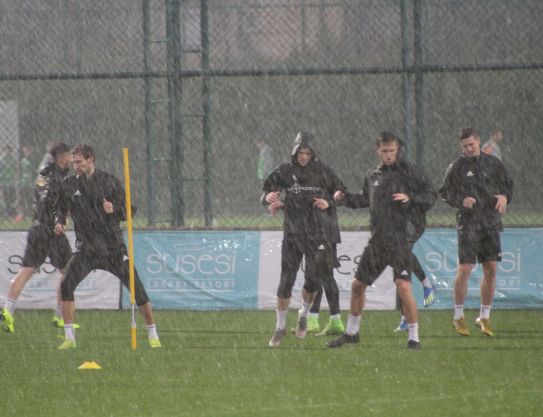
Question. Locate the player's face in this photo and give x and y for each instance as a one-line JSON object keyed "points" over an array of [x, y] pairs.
{"points": [[387, 152], [471, 146], [303, 156], [83, 166], [63, 160]]}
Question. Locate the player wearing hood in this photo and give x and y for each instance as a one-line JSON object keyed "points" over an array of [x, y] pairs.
{"points": [[41, 241], [309, 227]]}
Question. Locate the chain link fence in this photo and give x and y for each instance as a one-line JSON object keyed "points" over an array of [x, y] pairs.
{"points": [[188, 86]]}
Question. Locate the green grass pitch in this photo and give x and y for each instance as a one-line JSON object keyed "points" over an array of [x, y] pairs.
{"points": [[219, 364]]}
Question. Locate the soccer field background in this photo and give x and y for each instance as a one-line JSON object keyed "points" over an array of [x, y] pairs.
{"points": [[219, 364]]}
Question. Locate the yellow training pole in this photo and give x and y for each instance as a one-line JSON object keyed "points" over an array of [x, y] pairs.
{"points": [[130, 244]]}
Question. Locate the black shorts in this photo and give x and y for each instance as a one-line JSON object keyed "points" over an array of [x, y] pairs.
{"points": [[478, 245], [319, 262], [116, 263], [41, 242], [377, 255]]}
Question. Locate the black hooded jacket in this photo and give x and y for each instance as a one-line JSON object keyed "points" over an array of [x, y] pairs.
{"points": [[302, 184], [481, 177], [390, 219], [46, 193], [97, 232]]}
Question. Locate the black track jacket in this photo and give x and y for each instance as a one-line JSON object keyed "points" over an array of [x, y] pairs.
{"points": [[97, 232], [302, 185], [389, 219], [480, 177]]}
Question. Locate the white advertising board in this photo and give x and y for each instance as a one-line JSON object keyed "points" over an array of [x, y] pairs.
{"points": [[99, 290]]}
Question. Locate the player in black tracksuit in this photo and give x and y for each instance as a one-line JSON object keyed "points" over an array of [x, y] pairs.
{"points": [[309, 227], [397, 192], [478, 186], [41, 241], [96, 201]]}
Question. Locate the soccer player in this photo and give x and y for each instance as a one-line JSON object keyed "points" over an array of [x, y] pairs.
{"points": [[331, 290], [96, 201], [41, 240], [394, 191], [478, 186], [308, 227]]}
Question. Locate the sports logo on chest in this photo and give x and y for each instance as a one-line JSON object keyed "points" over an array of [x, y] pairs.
{"points": [[296, 188]]}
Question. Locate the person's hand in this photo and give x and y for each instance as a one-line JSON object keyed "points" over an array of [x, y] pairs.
{"points": [[59, 229], [272, 197], [108, 206], [339, 195], [501, 204], [404, 198], [275, 207], [469, 202], [320, 203]]}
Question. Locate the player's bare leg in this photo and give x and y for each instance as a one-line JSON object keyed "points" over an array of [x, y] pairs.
{"points": [[410, 310], [463, 273], [358, 300]]}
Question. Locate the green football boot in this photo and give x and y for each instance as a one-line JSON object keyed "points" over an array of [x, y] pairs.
{"points": [[7, 320], [57, 321], [313, 325], [155, 343], [334, 326], [67, 344]]}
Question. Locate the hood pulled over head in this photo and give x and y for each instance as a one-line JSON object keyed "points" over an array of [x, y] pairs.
{"points": [[304, 140]]}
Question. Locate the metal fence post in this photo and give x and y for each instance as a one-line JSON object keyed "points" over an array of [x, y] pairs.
{"points": [[406, 77], [206, 93], [419, 83], [175, 131], [149, 161]]}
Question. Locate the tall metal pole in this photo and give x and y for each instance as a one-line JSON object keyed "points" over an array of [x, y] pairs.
{"points": [[176, 140], [206, 120], [304, 46], [149, 154], [406, 78], [419, 82]]}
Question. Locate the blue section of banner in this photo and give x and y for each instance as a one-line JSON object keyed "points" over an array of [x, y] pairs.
{"points": [[519, 282], [198, 270]]}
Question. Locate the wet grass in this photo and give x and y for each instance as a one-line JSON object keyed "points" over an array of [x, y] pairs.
{"points": [[218, 364]]}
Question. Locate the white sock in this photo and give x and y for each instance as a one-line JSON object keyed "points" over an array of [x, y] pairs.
{"points": [[335, 316], [413, 332], [353, 324], [281, 322], [314, 315], [484, 312], [9, 305], [151, 329], [458, 311], [69, 331], [58, 311], [426, 283], [402, 318], [305, 308]]}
